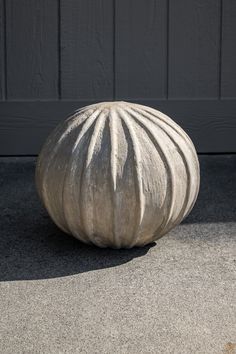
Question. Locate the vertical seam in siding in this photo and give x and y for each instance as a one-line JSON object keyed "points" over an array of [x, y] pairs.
{"points": [[114, 50], [5, 50], [59, 50], [220, 47], [167, 48]]}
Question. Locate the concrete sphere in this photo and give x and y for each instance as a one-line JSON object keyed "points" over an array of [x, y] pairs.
{"points": [[118, 174]]}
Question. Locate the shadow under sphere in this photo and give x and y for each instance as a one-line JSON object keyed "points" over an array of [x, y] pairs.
{"points": [[31, 246], [41, 251]]}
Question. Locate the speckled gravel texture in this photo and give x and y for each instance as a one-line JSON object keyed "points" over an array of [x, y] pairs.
{"points": [[60, 296]]}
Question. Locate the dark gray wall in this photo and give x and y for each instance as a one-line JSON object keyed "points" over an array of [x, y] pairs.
{"points": [[58, 55]]}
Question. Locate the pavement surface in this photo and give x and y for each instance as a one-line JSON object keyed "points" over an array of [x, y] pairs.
{"points": [[60, 296]]}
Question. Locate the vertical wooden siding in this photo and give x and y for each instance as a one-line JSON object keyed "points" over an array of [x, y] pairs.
{"points": [[2, 50], [141, 49], [178, 56], [86, 34], [32, 49], [194, 40], [228, 50]]}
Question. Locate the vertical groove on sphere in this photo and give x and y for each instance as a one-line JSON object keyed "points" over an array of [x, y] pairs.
{"points": [[86, 210], [138, 173], [166, 160], [114, 153]]}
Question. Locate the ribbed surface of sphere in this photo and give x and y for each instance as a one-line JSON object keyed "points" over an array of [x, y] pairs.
{"points": [[118, 174]]}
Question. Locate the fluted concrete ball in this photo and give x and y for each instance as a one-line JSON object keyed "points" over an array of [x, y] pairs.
{"points": [[118, 174]]}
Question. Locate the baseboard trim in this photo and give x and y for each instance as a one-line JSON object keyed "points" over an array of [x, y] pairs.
{"points": [[24, 126]]}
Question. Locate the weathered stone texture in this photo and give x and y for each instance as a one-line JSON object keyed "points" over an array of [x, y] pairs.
{"points": [[118, 174]]}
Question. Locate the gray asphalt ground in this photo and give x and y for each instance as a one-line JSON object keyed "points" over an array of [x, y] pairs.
{"points": [[60, 296]]}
